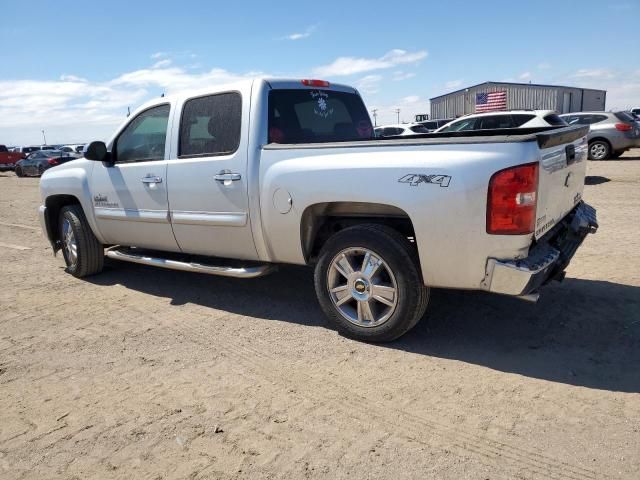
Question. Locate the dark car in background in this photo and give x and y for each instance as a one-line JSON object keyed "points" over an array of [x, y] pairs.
{"points": [[37, 162], [611, 133]]}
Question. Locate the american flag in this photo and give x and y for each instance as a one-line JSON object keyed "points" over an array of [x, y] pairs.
{"points": [[491, 102]]}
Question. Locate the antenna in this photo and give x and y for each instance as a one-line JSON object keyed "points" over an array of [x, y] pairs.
{"points": [[128, 111]]}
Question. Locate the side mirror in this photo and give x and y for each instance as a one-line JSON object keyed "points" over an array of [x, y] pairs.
{"points": [[97, 151]]}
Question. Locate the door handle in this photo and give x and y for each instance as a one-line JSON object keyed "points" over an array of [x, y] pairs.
{"points": [[227, 177], [151, 179]]}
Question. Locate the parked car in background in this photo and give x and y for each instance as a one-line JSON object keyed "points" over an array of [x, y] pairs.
{"points": [[38, 162], [400, 130], [24, 151], [8, 159], [433, 125], [635, 111], [47, 147], [611, 133], [71, 150], [507, 119]]}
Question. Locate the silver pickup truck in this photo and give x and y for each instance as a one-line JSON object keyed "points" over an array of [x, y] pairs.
{"points": [[235, 180]]}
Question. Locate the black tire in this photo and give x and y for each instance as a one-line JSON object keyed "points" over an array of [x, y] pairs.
{"points": [[19, 172], [40, 170], [90, 252], [401, 258], [602, 147]]}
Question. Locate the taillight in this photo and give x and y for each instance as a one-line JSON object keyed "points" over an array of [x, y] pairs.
{"points": [[315, 83], [52, 161], [623, 127], [512, 199]]}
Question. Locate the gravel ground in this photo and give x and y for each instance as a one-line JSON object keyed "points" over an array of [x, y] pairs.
{"points": [[146, 373]]}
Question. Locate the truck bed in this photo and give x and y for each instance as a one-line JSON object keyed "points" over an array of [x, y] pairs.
{"points": [[545, 136]]}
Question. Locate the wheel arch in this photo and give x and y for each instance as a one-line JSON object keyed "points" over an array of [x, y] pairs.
{"points": [[54, 204], [601, 139], [321, 220]]}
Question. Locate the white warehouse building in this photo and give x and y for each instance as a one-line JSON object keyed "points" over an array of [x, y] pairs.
{"points": [[519, 96]]}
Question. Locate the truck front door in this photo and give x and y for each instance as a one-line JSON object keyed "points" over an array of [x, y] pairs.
{"points": [[208, 184], [130, 196]]}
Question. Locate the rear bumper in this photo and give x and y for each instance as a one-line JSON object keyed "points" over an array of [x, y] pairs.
{"points": [[547, 260]]}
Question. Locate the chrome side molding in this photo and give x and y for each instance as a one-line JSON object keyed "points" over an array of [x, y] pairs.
{"points": [[131, 255]]}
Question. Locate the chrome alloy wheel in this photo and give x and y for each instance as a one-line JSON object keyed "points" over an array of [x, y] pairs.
{"points": [[362, 287], [598, 151], [69, 242]]}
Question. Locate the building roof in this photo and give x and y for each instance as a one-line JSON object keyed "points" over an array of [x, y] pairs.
{"points": [[513, 83]]}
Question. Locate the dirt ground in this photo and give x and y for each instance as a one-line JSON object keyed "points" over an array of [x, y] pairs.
{"points": [[149, 373]]}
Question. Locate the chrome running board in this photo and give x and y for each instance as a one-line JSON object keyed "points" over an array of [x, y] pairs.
{"points": [[142, 257]]}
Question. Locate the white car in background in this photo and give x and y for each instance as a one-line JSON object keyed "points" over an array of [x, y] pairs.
{"points": [[400, 130], [505, 119]]}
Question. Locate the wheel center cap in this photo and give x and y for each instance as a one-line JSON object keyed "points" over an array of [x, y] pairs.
{"points": [[360, 286]]}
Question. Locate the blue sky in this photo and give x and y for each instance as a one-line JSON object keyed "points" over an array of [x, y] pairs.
{"points": [[77, 67]]}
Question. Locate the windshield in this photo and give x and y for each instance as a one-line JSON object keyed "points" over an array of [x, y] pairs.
{"points": [[316, 116]]}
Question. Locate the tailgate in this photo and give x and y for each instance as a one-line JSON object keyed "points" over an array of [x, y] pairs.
{"points": [[563, 165]]}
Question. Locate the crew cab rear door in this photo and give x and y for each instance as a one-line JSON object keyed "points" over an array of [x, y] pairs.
{"points": [[208, 181], [130, 196], [563, 165]]}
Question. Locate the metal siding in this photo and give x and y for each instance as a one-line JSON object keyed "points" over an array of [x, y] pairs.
{"points": [[533, 97]]}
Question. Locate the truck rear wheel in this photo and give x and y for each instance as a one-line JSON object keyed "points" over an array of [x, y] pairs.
{"points": [[83, 253], [369, 284]]}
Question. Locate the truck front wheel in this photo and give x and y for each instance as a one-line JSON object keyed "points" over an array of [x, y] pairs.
{"points": [[369, 284], [83, 253]]}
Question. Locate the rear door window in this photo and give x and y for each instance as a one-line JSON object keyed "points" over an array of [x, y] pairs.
{"points": [[211, 125], [310, 116], [520, 119], [493, 122], [419, 129], [590, 119]]}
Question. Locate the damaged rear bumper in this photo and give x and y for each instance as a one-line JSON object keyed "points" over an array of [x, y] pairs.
{"points": [[547, 260]]}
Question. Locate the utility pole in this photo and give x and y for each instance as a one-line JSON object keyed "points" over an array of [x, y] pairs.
{"points": [[374, 112], [398, 113], [44, 138]]}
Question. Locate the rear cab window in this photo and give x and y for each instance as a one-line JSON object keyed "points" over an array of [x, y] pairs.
{"points": [[317, 116]]}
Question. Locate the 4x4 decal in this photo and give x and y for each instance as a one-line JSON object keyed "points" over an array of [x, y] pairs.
{"points": [[414, 179]]}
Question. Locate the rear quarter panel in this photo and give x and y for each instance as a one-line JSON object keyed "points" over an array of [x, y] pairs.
{"points": [[449, 221]]}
